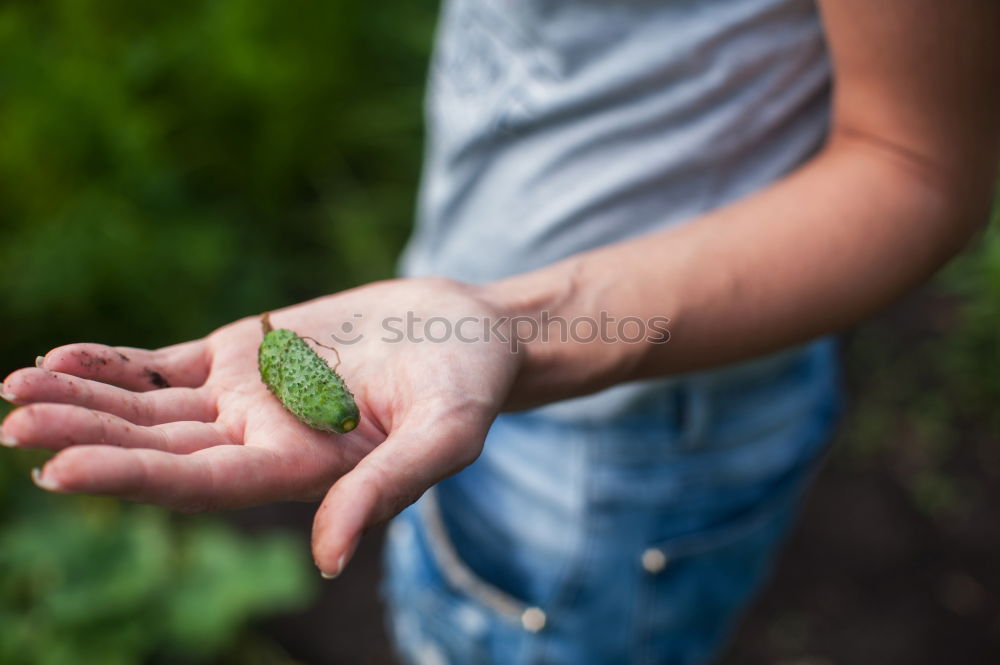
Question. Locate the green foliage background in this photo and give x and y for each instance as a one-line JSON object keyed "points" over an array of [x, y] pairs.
{"points": [[168, 167], [164, 169]]}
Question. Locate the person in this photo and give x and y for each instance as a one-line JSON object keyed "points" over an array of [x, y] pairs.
{"points": [[693, 199]]}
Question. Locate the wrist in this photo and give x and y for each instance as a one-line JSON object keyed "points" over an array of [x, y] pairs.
{"points": [[558, 322]]}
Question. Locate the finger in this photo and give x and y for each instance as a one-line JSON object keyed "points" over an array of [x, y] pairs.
{"points": [[220, 477], [59, 426], [418, 454], [185, 365], [30, 385]]}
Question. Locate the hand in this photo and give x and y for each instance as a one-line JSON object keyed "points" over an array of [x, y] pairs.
{"points": [[192, 426]]}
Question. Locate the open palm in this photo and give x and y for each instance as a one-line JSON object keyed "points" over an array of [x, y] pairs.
{"points": [[193, 427]]}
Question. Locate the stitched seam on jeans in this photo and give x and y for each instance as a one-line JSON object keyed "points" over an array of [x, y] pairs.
{"points": [[576, 566], [458, 575]]}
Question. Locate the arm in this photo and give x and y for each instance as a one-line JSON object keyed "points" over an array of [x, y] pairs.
{"points": [[905, 179]]}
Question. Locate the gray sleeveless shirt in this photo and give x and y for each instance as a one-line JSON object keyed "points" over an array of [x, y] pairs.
{"points": [[557, 126]]}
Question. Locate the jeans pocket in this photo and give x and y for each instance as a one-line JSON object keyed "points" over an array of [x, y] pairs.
{"points": [[440, 610], [694, 586], [501, 604], [428, 621]]}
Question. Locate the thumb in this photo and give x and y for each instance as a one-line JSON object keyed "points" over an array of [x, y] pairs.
{"points": [[417, 454]]}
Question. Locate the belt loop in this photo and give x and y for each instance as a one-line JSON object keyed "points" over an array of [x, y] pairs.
{"points": [[695, 414]]}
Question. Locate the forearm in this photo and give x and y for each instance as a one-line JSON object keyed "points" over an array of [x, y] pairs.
{"points": [[815, 253]]}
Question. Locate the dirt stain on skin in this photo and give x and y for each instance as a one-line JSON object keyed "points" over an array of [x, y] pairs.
{"points": [[87, 359], [122, 356], [156, 378]]}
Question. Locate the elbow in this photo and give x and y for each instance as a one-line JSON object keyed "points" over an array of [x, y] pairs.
{"points": [[953, 191], [954, 188]]}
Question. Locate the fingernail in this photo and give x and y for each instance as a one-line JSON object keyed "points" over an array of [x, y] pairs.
{"points": [[36, 477], [8, 441], [39, 361], [336, 573], [341, 562], [7, 396]]}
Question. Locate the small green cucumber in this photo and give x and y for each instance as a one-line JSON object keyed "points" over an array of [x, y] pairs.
{"points": [[302, 381]]}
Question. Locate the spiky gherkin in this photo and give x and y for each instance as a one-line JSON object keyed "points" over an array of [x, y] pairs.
{"points": [[303, 382]]}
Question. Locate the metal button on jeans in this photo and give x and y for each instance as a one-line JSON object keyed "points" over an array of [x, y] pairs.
{"points": [[533, 619], [654, 560]]}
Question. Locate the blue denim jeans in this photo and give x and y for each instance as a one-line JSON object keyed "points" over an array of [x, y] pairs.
{"points": [[637, 540]]}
